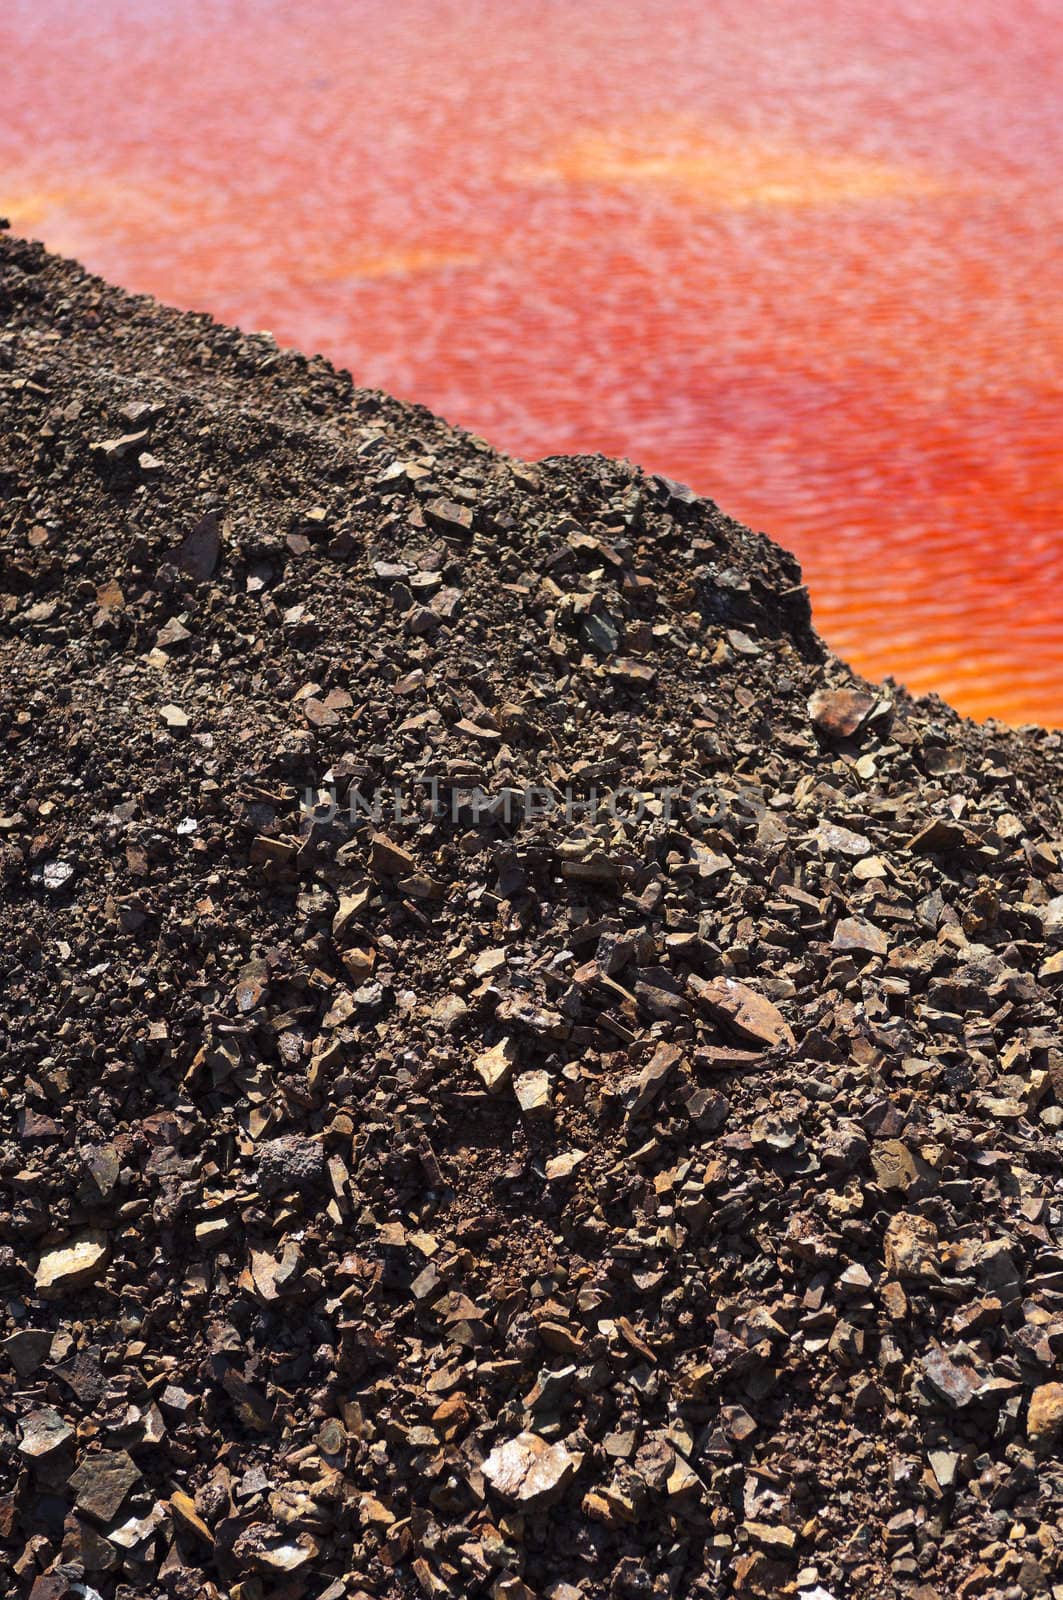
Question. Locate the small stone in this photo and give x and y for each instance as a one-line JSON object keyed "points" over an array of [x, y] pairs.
{"points": [[1052, 969], [938, 837], [870, 867], [134, 1531], [955, 1383], [359, 961], [172, 634], [176, 1401], [772, 1538], [600, 632], [748, 1013], [75, 1264], [55, 875], [943, 1464], [1044, 1420], [894, 1165], [102, 1482], [272, 1277], [488, 962], [139, 413], [835, 841], [530, 1471], [102, 1164], [839, 713], [186, 1516], [389, 860], [43, 1432], [911, 1244], [657, 1072], [1052, 919], [560, 1167], [533, 1092], [117, 449], [274, 1554], [291, 1162], [449, 517], [199, 551], [633, 674], [27, 1349], [856, 933], [495, 1065]]}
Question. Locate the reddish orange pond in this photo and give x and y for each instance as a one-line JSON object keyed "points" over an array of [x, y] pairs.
{"points": [[806, 258]]}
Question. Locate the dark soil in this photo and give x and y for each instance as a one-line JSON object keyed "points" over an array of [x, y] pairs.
{"points": [[477, 1201]]}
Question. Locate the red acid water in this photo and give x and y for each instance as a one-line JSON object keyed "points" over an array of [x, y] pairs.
{"points": [[806, 258]]}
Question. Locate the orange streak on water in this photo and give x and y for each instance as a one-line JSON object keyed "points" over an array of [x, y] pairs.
{"points": [[806, 258]]}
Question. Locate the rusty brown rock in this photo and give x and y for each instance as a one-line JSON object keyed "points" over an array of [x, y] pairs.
{"points": [[530, 1471], [390, 860], [911, 1247], [839, 713], [1044, 1420], [856, 933], [749, 1014], [102, 1482]]}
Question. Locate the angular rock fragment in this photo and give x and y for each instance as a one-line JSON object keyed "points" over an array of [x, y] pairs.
{"points": [[773, 1538], [290, 1162], [27, 1349], [894, 1165], [856, 933], [658, 1071], [911, 1246], [939, 836], [529, 1471], [449, 517], [42, 1433], [495, 1065], [199, 550], [533, 1092], [955, 1383], [560, 1167], [266, 1550], [833, 840], [839, 713], [389, 860], [749, 1014], [187, 1517], [102, 1482], [1052, 919], [120, 447], [75, 1264], [1044, 1420]]}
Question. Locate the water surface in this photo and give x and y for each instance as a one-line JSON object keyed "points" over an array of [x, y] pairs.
{"points": [[805, 258]]}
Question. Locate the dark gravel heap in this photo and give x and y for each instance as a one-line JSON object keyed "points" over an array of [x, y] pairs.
{"points": [[476, 1201]]}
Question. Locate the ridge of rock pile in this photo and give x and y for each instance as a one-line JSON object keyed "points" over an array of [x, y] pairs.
{"points": [[485, 1198]]}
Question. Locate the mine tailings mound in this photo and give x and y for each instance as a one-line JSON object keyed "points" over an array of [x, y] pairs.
{"points": [[522, 1076]]}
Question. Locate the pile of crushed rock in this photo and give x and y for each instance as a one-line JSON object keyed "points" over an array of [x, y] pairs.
{"points": [[522, 1076]]}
